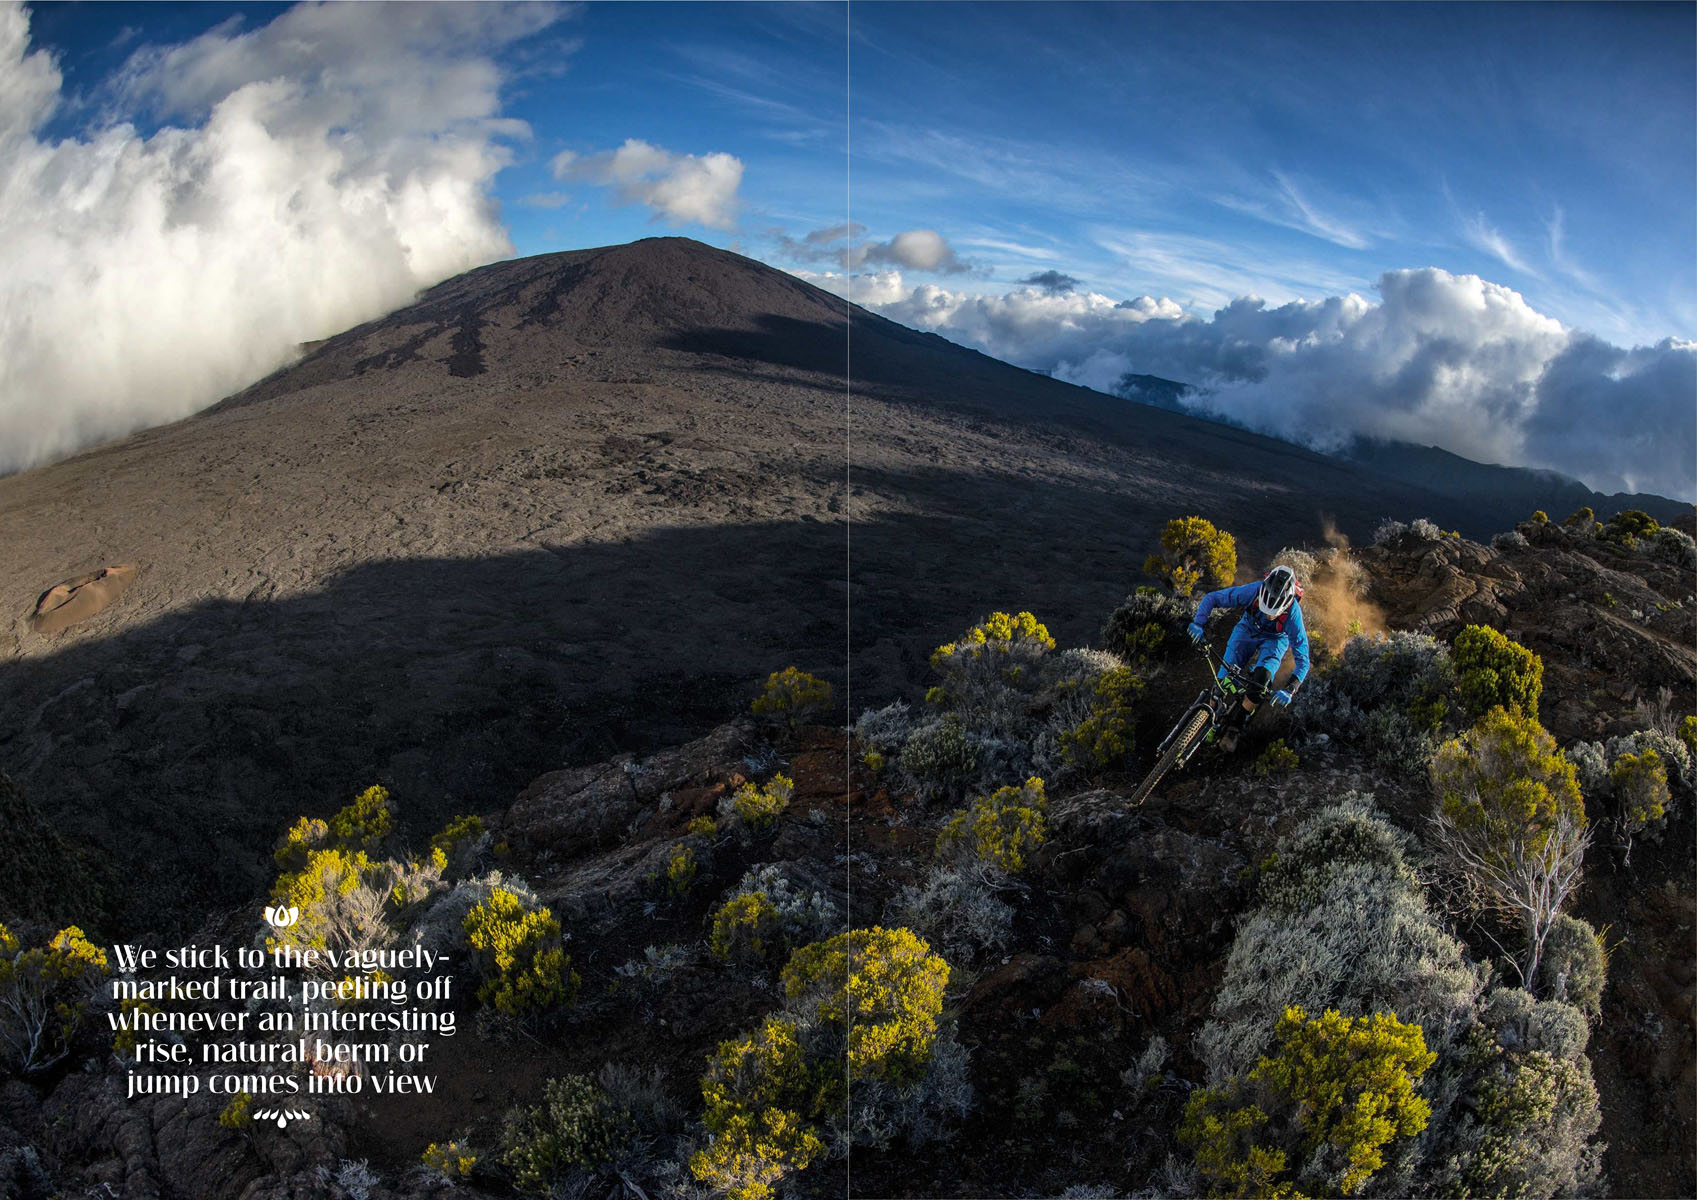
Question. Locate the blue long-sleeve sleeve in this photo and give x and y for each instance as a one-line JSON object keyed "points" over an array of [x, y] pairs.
{"points": [[1241, 596], [1297, 630]]}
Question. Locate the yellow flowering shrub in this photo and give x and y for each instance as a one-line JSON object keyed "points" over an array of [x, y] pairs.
{"points": [[461, 832], [520, 952], [681, 870], [793, 696], [746, 929], [124, 1041], [1192, 550], [1333, 1094], [1506, 782], [999, 630], [238, 1113], [1640, 783], [702, 827], [887, 984], [759, 1093], [1494, 672], [1276, 759], [758, 807], [44, 996], [1105, 736], [451, 1158], [1000, 829]]}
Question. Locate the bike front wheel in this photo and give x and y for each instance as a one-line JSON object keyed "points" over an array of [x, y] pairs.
{"points": [[1175, 752]]}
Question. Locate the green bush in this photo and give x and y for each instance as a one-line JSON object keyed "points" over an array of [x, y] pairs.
{"points": [[1640, 785], [999, 829], [460, 834], [1581, 521], [1494, 672], [1511, 821], [1146, 625], [939, 758], [520, 956], [1392, 695], [1192, 550], [1276, 759], [1105, 736], [793, 696], [1575, 966], [1317, 1112], [1540, 517], [45, 995], [577, 1125], [1625, 528]]}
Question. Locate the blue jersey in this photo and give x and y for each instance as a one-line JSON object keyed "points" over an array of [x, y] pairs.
{"points": [[1253, 629]]}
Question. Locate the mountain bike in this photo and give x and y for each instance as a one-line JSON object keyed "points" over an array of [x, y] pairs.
{"points": [[1200, 724]]}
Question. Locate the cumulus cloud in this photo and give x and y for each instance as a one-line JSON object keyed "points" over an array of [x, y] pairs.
{"points": [[1448, 360], [321, 170], [913, 250], [683, 188]]}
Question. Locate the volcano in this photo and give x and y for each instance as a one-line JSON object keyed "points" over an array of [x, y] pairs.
{"points": [[563, 507]]}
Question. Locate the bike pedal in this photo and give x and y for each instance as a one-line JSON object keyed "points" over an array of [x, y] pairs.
{"points": [[1228, 741]]}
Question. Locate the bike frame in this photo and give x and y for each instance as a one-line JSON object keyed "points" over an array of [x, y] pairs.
{"points": [[1227, 687]]}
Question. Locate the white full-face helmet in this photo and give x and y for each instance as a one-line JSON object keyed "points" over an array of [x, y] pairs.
{"points": [[1278, 592]]}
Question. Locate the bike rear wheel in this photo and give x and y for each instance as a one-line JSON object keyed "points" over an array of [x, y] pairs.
{"points": [[1175, 751]]}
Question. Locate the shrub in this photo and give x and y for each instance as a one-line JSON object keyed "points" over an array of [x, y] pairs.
{"points": [[886, 729], [521, 957], [1640, 784], [760, 1097], [1276, 759], [1511, 821], [1494, 672], [1574, 967], [886, 984], [1193, 550], [1146, 625], [1581, 520], [1105, 736], [775, 911], [681, 869], [129, 1009], [999, 829], [1676, 758], [793, 696], [1540, 517], [1513, 539], [1317, 1112], [365, 823], [346, 900], [758, 807], [454, 1160], [577, 1125], [1391, 694], [1389, 530], [940, 759], [1674, 546], [460, 834], [45, 994], [746, 929], [1342, 923], [1688, 736], [955, 910], [702, 827], [1425, 530], [1626, 528], [237, 1115], [990, 671]]}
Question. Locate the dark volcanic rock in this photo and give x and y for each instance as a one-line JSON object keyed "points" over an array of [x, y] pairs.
{"points": [[561, 508]]}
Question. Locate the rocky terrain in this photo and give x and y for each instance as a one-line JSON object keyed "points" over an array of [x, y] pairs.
{"points": [[473, 540], [1120, 931], [528, 549]]}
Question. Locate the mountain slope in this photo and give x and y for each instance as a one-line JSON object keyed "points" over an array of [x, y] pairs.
{"points": [[560, 507]]}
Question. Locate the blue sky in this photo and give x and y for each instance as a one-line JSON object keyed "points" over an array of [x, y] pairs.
{"points": [[1464, 224]]}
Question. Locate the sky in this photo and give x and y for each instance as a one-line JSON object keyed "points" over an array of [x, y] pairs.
{"points": [[1473, 226]]}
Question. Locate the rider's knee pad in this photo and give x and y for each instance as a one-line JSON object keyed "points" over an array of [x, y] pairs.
{"points": [[1260, 684]]}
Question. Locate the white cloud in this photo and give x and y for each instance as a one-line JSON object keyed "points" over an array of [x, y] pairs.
{"points": [[1482, 235], [323, 169], [683, 188], [913, 250], [1441, 359]]}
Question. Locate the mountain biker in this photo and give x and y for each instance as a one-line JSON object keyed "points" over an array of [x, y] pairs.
{"points": [[1271, 624]]}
